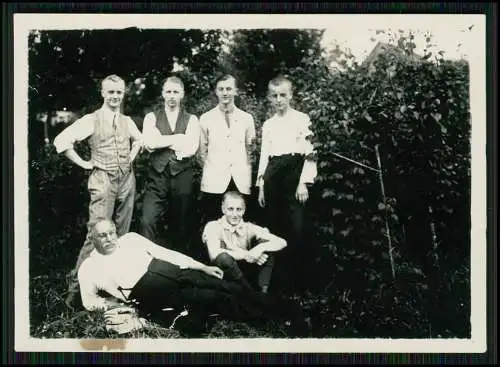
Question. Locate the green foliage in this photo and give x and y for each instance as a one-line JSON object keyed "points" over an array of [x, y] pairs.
{"points": [[65, 67], [258, 55]]}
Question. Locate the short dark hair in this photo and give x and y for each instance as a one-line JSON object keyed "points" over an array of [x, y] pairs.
{"points": [[233, 195], [224, 77], [114, 78], [174, 79], [280, 79]]}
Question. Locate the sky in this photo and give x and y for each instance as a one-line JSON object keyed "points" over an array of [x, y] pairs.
{"points": [[448, 31]]}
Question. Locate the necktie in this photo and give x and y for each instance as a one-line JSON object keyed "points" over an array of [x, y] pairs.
{"points": [[228, 121], [114, 121]]}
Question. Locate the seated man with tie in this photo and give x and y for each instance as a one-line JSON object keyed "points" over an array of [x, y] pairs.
{"points": [[239, 247], [134, 270]]}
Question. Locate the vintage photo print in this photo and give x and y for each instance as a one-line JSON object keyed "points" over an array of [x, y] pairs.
{"points": [[250, 183]]}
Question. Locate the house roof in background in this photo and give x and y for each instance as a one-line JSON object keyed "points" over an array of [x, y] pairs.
{"points": [[382, 47]]}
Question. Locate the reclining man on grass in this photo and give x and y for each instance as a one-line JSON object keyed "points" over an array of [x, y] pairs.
{"points": [[135, 271]]}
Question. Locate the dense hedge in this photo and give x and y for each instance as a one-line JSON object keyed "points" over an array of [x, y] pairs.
{"points": [[415, 111]]}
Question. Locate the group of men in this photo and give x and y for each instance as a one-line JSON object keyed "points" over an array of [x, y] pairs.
{"points": [[129, 266]]}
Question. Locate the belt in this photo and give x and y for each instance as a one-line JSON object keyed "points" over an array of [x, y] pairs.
{"points": [[286, 155]]}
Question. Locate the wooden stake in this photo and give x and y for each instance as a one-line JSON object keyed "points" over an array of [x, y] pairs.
{"points": [[434, 237], [46, 127], [387, 228]]}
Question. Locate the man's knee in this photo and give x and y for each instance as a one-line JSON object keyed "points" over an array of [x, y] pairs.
{"points": [[146, 220], [270, 260], [224, 260], [150, 212]]}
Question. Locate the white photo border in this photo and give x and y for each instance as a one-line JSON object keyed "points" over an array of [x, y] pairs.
{"points": [[475, 48]]}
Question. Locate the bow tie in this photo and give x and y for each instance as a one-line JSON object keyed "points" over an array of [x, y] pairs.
{"points": [[234, 229]]}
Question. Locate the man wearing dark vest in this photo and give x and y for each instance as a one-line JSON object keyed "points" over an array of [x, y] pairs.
{"points": [[172, 136], [111, 182]]}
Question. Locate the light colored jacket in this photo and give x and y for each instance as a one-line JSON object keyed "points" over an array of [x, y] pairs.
{"points": [[224, 152]]}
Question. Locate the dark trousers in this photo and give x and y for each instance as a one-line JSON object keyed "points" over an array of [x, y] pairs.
{"points": [[248, 275], [165, 285], [285, 217], [212, 203], [168, 201]]}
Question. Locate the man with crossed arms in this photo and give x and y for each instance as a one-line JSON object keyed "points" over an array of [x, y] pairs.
{"points": [[171, 134]]}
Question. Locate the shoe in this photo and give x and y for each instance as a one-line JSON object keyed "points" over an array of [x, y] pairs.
{"points": [[73, 301], [69, 301], [193, 326]]}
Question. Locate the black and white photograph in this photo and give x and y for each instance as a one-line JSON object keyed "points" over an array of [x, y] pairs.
{"points": [[250, 183]]}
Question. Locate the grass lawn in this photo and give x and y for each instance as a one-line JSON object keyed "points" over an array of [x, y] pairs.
{"points": [[50, 318], [398, 311]]}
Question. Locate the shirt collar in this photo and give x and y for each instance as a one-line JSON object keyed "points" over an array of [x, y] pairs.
{"points": [[287, 116], [108, 114], [233, 229], [174, 112], [230, 109]]}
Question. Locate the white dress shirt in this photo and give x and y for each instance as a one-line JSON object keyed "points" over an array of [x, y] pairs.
{"points": [[82, 128], [124, 267], [186, 144], [287, 135], [225, 151], [172, 118]]}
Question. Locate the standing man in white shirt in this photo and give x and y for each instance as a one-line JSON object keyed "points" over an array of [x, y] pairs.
{"points": [[172, 135], [111, 182], [287, 166], [226, 143]]}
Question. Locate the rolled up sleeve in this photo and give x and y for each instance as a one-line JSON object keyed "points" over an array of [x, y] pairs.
{"points": [[309, 170], [150, 133], [88, 289], [264, 154], [261, 235], [77, 131], [135, 134], [191, 140], [211, 238]]}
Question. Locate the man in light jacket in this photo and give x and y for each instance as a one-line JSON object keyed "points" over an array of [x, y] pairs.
{"points": [[227, 137]]}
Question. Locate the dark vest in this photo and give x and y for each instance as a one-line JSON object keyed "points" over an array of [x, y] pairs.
{"points": [[164, 158]]}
